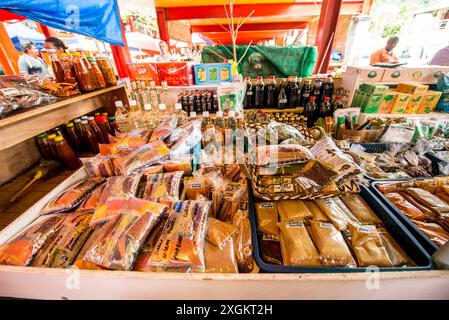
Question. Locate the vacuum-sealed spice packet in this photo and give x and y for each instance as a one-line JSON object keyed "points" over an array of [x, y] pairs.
{"points": [[243, 245], [430, 215], [218, 232], [90, 203], [21, 249], [153, 170], [119, 248], [98, 166], [178, 163], [296, 246], [270, 247], [293, 210], [181, 244], [282, 154], [188, 141], [332, 247], [334, 212], [408, 209], [141, 158], [62, 249], [72, 197], [429, 200], [164, 187], [317, 213], [196, 186], [142, 261], [220, 259], [397, 256], [368, 247], [165, 128], [360, 209], [267, 217], [435, 232], [114, 196]]}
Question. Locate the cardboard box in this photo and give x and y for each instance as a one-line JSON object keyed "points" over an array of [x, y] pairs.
{"points": [[430, 101], [176, 73], [415, 102], [412, 88], [372, 88], [210, 73], [144, 71], [366, 74], [372, 103], [386, 104], [400, 102], [432, 76], [419, 73], [395, 75]]}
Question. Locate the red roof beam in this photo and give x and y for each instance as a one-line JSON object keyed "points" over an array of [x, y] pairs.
{"points": [[262, 10], [254, 27]]}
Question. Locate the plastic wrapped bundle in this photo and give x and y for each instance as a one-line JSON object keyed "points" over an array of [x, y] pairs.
{"points": [[72, 197], [282, 154], [98, 166], [164, 187], [90, 203], [165, 128]]}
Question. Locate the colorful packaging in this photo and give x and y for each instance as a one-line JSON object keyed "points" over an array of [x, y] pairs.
{"points": [[372, 103], [372, 88], [118, 249], [443, 87], [175, 73], [164, 187], [415, 103], [243, 246], [210, 73], [178, 163], [412, 88], [141, 158], [72, 197], [144, 71], [21, 249], [166, 127], [267, 217], [63, 248], [114, 196], [98, 166], [430, 101], [90, 203], [386, 105], [400, 102]]}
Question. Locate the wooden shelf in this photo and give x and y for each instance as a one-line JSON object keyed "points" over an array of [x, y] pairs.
{"points": [[426, 116], [18, 128]]}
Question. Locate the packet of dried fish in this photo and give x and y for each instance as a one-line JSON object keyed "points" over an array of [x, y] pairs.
{"points": [[119, 248], [296, 246], [63, 248], [22, 249], [166, 127], [72, 197], [114, 196]]}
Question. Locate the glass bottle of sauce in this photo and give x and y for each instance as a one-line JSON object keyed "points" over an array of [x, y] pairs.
{"points": [[66, 153], [56, 66], [72, 136], [96, 129], [58, 131], [66, 63], [113, 125], [89, 137], [51, 142], [83, 72], [103, 125], [97, 76], [107, 70], [44, 146]]}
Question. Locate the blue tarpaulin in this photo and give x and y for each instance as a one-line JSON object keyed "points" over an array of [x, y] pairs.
{"points": [[98, 19]]}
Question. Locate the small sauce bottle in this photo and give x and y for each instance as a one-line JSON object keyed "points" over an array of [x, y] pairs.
{"points": [[96, 129], [113, 125], [103, 124], [72, 136], [66, 153], [89, 137], [44, 146], [51, 142]]}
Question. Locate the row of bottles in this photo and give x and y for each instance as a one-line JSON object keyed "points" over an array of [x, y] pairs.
{"points": [[82, 135], [314, 111], [89, 73], [145, 94], [199, 101], [292, 93]]}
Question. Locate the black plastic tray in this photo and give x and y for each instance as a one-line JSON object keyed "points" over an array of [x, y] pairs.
{"points": [[420, 236], [403, 237]]}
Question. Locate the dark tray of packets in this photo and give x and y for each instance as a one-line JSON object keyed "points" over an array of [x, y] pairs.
{"points": [[381, 147], [419, 235], [417, 258]]}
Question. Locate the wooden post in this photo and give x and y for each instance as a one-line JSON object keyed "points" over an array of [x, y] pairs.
{"points": [[330, 10], [8, 53]]}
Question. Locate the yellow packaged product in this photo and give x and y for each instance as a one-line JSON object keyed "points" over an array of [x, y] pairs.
{"points": [[360, 209], [334, 212], [317, 213], [267, 217], [293, 210]]}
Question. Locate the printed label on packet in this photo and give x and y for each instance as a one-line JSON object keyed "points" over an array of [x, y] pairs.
{"points": [[365, 228], [294, 224], [327, 225], [266, 205], [270, 237]]}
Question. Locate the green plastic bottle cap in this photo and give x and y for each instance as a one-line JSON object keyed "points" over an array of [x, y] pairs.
{"points": [[41, 135]]}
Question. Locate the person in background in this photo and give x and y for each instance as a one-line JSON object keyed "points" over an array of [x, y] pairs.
{"points": [[30, 62], [55, 43], [385, 54], [165, 55], [441, 58]]}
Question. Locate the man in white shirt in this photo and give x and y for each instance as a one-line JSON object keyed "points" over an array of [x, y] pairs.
{"points": [[31, 63]]}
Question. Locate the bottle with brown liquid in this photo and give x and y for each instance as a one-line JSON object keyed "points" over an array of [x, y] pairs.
{"points": [[83, 72], [51, 142], [89, 138], [113, 125], [103, 124], [66, 154], [72, 136], [96, 129], [44, 146]]}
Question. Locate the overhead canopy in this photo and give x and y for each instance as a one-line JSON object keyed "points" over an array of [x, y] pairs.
{"points": [[98, 19]]}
